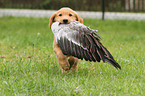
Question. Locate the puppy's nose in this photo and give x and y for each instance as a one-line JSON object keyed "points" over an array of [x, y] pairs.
{"points": [[65, 20]]}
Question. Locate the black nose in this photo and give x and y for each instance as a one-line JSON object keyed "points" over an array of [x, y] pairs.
{"points": [[65, 20]]}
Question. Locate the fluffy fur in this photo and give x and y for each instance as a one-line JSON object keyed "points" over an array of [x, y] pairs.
{"points": [[65, 15]]}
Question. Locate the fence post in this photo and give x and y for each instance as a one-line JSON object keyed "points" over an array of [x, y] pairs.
{"points": [[103, 9]]}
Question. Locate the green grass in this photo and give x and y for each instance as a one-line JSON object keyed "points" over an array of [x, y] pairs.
{"points": [[28, 65]]}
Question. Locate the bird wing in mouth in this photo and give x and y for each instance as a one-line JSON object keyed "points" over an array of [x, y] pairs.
{"points": [[80, 41]]}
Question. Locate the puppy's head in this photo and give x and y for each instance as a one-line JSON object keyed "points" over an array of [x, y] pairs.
{"points": [[64, 15]]}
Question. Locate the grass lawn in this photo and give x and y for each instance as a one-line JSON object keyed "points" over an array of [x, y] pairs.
{"points": [[28, 65]]}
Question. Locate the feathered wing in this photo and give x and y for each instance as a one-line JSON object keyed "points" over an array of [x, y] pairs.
{"points": [[84, 43]]}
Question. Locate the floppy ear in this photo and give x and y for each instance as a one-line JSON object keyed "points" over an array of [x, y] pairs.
{"points": [[79, 18], [51, 20]]}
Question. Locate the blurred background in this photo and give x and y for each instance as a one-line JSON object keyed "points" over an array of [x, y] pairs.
{"points": [[97, 9], [83, 5]]}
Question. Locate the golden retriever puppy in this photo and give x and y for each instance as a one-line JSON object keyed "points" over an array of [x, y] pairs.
{"points": [[65, 15]]}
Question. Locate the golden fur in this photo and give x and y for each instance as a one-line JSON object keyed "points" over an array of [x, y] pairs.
{"points": [[68, 15]]}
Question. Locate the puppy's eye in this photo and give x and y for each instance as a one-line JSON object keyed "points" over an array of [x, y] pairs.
{"points": [[70, 14], [60, 14]]}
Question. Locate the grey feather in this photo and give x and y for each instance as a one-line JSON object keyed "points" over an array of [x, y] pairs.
{"points": [[78, 40]]}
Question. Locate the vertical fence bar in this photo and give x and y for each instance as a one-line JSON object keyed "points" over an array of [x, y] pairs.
{"points": [[143, 4], [134, 6], [139, 5], [103, 9], [129, 6]]}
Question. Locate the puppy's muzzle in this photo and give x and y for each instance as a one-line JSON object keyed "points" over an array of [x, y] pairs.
{"points": [[65, 21]]}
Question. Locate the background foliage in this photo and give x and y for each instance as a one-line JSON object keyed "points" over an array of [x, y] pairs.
{"points": [[86, 5]]}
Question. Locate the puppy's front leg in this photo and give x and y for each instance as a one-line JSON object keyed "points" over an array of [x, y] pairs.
{"points": [[62, 59]]}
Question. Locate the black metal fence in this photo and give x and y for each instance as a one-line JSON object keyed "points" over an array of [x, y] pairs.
{"points": [[85, 5]]}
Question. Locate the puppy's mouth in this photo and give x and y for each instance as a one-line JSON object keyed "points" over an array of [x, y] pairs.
{"points": [[63, 23]]}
